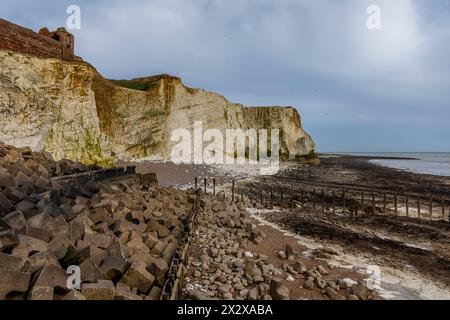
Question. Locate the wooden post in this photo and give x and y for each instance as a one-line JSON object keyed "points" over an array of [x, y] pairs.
{"points": [[373, 202], [431, 208], [196, 183], [232, 191], [384, 203], [292, 196], [407, 205], [323, 200], [362, 202], [343, 201], [332, 200], [314, 198], [418, 208], [214, 186], [271, 195], [395, 204], [443, 208]]}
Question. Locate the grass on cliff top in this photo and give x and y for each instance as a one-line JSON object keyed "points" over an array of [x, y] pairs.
{"points": [[135, 85]]}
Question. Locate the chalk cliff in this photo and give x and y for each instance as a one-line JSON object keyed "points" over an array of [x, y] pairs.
{"points": [[70, 110]]}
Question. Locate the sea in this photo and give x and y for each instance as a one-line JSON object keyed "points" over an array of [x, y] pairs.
{"points": [[434, 163]]}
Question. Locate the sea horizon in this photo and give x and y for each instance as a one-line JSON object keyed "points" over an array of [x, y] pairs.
{"points": [[433, 163]]}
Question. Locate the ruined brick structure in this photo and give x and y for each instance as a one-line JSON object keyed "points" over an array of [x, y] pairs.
{"points": [[45, 44]]}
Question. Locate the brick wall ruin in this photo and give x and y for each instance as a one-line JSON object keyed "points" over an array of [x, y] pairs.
{"points": [[45, 44]]}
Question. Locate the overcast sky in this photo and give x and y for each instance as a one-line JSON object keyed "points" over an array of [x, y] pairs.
{"points": [[356, 89]]}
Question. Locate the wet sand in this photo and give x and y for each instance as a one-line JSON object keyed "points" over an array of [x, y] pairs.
{"points": [[358, 171], [342, 170]]}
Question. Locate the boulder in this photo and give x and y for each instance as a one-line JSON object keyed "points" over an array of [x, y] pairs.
{"points": [[90, 272], [6, 180], [137, 246], [98, 239], [117, 248], [123, 292], [40, 259], [51, 276], [135, 217], [8, 240], [251, 270], [13, 281], [300, 267], [158, 268], [77, 230], [309, 284], [44, 221], [5, 205], [74, 295], [11, 263], [23, 181], [26, 206], [322, 270], [321, 284], [290, 252], [146, 257], [101, 290], [278, 291], [253, 294], [195, 294], [101, 215], [360, 291], [169, 251], [138, 277], [150, 241], [28, 246], [158, 249], [14, 195], [37, 233], [114, 267], [16, 220], [122, 226], [94, 253], [153, 225], [155, 293], [333, 295], [67, 212], [41, 293], [65, 250]]}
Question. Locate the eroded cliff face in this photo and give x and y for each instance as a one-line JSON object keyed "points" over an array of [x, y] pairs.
{"points": [[70, 110], [49, 104]]}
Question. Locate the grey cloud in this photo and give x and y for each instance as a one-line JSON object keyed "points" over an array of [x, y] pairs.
{"points": [[315, 55]]}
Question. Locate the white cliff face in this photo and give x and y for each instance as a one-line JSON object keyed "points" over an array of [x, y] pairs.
{"points": [[68, 109], [48, 104]]}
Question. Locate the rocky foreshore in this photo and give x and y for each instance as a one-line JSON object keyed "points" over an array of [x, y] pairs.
{"points": [[121, 235], [222, 264]]}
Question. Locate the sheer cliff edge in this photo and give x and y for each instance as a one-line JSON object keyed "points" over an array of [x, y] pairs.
{"points": [[68, 109]]}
